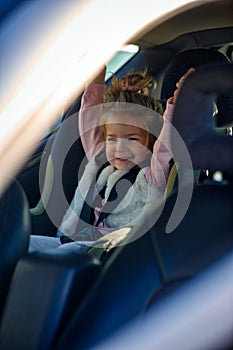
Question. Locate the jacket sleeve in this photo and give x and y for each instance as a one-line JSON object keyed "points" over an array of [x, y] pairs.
{"points": [[89, 116], [158, 173]]}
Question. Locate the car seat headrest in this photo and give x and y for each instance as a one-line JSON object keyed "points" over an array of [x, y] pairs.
{"points": [[197, 58], [207, 148]]}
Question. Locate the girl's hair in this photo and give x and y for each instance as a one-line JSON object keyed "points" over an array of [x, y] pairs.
{"points": [[136, 88]]}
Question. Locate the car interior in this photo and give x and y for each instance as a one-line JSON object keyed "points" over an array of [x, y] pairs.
{"points": [[54, 301]]}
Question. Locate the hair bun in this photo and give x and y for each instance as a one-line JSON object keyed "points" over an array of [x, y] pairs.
{"points": [[135, 87], [138, 81]]}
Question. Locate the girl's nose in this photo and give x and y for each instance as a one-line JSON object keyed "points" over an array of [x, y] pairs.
{"points": [[121, 144]]}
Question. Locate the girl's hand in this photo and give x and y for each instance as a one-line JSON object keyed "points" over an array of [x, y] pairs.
{"points": [[180, 83]]}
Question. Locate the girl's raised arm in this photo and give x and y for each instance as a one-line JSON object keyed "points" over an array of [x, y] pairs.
{"points": [[161, 157], [90, 113]]}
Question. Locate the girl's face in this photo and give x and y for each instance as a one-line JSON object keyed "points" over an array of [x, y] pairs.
{"points": [[126, 145]]}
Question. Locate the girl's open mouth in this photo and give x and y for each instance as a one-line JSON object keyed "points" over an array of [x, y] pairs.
{"points": [[122, 159]]}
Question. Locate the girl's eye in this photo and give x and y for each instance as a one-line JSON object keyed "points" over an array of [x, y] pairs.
{"points": [[133, 138], [111, 139]]}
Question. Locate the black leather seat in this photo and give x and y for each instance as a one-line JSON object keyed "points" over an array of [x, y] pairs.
{"points": [[137, 275], [14, 234], [46, 289]]}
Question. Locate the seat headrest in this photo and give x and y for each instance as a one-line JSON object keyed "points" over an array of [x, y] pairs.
{"points": [[207, 149], [197, 58]]}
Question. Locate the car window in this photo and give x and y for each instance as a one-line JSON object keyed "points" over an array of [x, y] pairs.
{"points": [[122, 57]]}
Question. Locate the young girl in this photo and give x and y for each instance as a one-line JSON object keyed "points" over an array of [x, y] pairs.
{"points": [[128, 166]]}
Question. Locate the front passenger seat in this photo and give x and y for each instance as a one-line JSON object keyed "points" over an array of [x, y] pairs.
{"points": [[14, 234]]}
